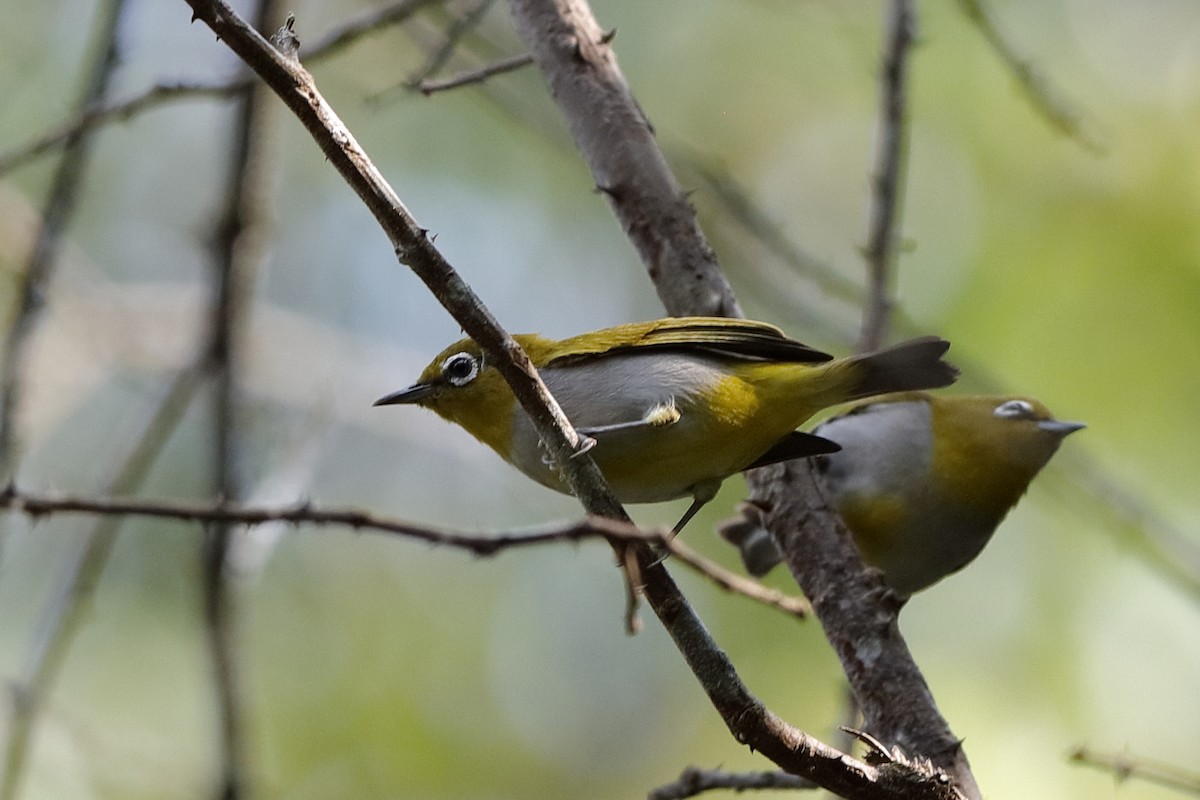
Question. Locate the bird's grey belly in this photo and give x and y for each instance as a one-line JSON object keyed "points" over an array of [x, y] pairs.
{"points": [[619, 389]]}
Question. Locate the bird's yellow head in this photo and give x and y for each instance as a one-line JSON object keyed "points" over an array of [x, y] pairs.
{"points": [[461, 387]]}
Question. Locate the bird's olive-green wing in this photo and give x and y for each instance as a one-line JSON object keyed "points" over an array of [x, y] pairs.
{"points": [[734, 338]]}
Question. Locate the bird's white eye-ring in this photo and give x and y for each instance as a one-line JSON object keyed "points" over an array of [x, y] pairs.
{"points": [[1015, 409], [460, 369]]}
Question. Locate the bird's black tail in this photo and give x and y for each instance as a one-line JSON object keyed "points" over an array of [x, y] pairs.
{"points": [[909, 366]]}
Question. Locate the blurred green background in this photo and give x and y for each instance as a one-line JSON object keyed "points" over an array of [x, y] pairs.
{"points": [[377, 667]]}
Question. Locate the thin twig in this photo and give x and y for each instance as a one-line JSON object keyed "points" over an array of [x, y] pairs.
{"points": [[887, 197], [735, 582], [694, 781], [97, 114], [614, 136], [473, 76], [64, 611], [459, 28], [57, 216], [1124, 766], [1038, 90], [240, 239], [37, 505], [370, 21], [1165, 547], [737, 203], [226, 513]]}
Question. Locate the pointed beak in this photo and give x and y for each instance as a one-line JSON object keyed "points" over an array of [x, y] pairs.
{"points": [[412, 395], [1059, 427]]}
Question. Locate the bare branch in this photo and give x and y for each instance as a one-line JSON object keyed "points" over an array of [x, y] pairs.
{"points": [[694, 781], [208, 513], [458, 28], [1041, 93], [733, 582], [617, 141], [227, 514], [564, 446], [859, 615], [473, 76], [1124, 766], [887, 199], [96, 114]]}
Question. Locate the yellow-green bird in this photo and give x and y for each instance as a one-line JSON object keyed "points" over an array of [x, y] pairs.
{"points": [[922, 481], [675, 405]]}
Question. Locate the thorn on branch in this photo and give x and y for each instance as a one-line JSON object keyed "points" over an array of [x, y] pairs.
{"points": [[286, 40], [611, 192]]}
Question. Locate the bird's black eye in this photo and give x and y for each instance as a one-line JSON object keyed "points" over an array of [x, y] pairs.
{"points": [[1015, 409], [460, 369]]}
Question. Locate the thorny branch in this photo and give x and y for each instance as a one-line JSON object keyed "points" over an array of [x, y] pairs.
{"points": [[232, 514], [414, 248]]}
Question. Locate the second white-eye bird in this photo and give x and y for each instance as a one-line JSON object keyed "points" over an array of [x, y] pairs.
{"points": [[675, 405], [922, 481]]}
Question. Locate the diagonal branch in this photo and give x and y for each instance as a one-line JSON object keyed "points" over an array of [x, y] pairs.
{"points": [[747, 718], [295, 86], [614, 137], [617, 140]]}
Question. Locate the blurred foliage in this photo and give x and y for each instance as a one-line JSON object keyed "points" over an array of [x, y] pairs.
{"points": [[381, 668]]}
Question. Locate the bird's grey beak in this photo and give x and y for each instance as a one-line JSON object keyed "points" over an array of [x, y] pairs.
{"points": [[1060, 427], [413, 394]]}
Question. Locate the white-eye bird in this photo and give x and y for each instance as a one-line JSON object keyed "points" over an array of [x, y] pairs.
{"points": [[675, 405], [922, 481]]}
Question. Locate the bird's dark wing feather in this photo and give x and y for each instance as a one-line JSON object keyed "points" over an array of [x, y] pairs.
{"points": [[796, 444], [719, 336]]}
